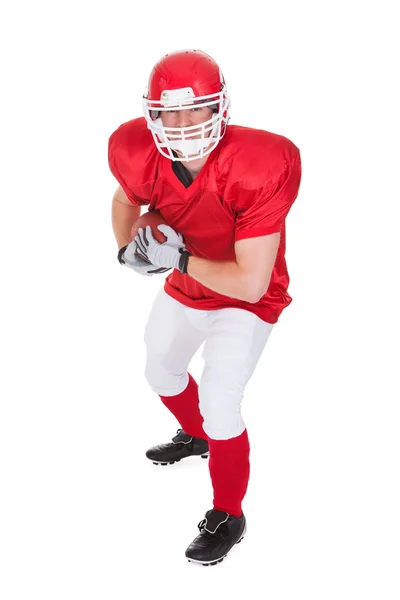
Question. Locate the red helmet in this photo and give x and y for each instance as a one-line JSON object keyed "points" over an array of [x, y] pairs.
{"points": [[177, 82]]}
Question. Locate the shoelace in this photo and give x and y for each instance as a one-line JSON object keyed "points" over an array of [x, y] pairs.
{"points": [[190, 444], [201, 525], [219, 532]]}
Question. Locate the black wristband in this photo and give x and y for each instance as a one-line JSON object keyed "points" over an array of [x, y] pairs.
{"points": [[120, 253], [183, 261]]}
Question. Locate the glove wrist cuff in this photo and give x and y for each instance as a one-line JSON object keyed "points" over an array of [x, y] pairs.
{"points": [[120, 254], [183, 260]]}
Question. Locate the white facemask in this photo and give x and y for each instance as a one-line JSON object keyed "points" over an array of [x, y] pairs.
{"points": [[185, 140], [187, 146]]}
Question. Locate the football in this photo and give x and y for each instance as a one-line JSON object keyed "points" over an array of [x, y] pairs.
{"points": [[152, 218]]}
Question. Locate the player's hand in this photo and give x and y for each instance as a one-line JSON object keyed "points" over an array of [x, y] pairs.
{"points": [[165, 255], [129, 256]]}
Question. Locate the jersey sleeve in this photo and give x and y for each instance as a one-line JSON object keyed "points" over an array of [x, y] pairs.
{"points": [[262, 211], [117, 167]]}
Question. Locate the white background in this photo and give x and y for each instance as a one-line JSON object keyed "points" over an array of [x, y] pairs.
{"points": [[83, 514]]}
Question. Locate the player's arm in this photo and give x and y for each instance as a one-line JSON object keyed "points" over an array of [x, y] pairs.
{"points": [[248, 277], [123, 215]]}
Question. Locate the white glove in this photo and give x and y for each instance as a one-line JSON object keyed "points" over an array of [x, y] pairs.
{"points": [[166, 255], [129, 256]]}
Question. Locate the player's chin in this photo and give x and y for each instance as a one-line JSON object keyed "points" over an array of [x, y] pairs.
{"points": [[192, 157]]}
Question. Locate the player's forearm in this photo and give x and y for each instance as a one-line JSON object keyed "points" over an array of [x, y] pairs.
{"points": [[123, 216], [223, 277]]}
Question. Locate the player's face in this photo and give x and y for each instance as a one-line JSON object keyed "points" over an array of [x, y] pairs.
{"points": [[187, 118]]}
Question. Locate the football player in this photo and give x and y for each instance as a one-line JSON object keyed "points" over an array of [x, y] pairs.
{"points": [[225, 191]]}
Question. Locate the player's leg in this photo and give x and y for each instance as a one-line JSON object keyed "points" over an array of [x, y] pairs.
{"points": [[231, 352], [173, 334]]}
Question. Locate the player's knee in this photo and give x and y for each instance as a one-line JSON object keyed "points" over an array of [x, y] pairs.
{"points": [[162, 382], [223, 428], [220, 409]]}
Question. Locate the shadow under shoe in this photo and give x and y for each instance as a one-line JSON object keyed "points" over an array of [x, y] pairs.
{"points": [[219, 532], [182, 446]]}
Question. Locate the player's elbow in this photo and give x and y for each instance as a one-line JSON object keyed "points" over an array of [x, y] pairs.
{"points": [[256, 291], [254, 298]]}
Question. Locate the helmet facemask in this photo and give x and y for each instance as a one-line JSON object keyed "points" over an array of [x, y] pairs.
{"points": [[192, 142]]}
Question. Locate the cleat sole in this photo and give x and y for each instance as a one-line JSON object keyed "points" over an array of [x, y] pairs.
{"points": [[172, 462], [209, 564], [165, 464]]}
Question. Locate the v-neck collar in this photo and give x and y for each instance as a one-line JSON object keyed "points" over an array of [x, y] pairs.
{"points": [[174, 181], [182, 173]]}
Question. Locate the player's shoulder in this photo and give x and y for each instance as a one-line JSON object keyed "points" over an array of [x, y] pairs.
{"points": [[255, 155], [132, 131], [132, 142], [258, 143]]}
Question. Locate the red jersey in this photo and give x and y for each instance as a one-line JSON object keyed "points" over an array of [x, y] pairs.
{"points": [[244, 190]]}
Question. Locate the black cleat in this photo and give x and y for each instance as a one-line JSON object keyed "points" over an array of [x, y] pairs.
{"points": [[219, 532], [182, 446]]}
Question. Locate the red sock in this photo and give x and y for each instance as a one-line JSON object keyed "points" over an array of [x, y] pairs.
{"points": [[230, 470], [185, 407]]}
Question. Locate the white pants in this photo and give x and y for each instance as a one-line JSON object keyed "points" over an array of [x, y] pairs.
{"points": [[234, 340]]}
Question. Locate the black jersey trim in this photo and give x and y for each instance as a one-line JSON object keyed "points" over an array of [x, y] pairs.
{"points": [[181, 172]]}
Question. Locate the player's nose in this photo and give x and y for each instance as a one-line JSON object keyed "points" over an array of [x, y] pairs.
{"points": [[184, 118]]}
